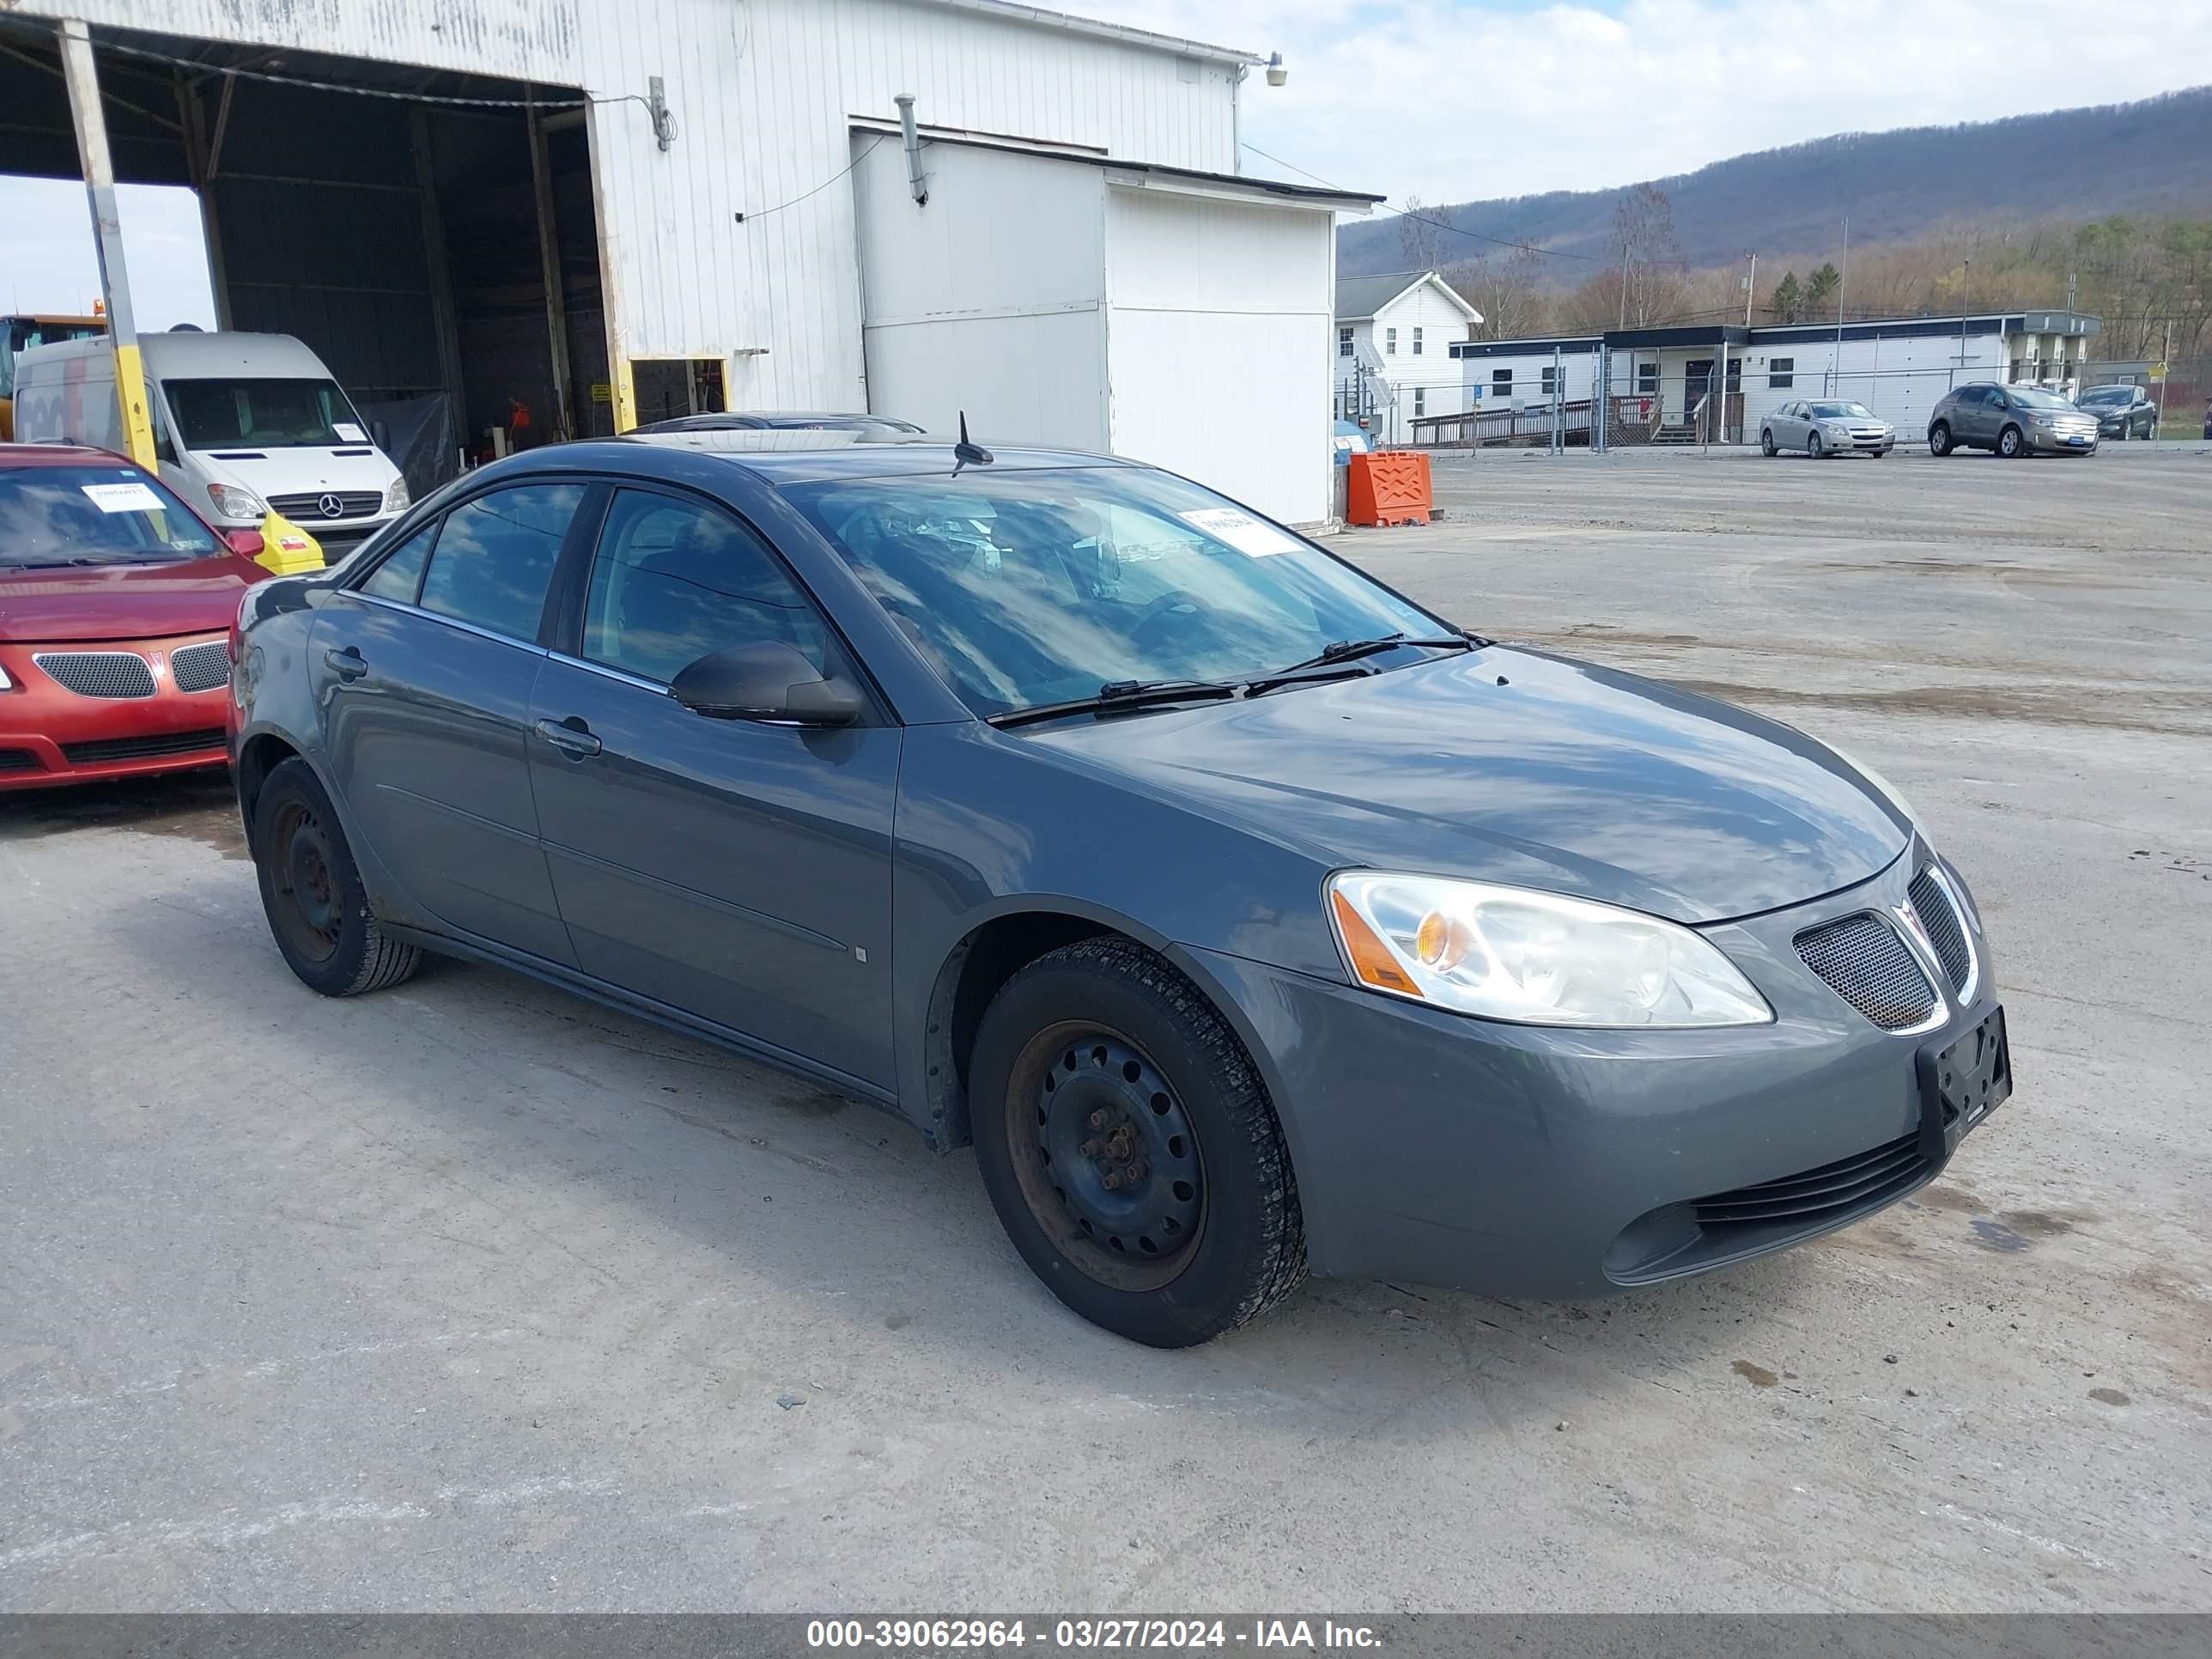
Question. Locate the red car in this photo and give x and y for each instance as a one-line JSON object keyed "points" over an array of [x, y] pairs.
{"points": [[116, 605]]}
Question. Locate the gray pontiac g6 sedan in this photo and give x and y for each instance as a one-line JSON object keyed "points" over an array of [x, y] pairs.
{"points": [[1246, 917]]}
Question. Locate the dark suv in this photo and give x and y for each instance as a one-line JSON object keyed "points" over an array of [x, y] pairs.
{"points": [[2122, 411], [2012, 420]]}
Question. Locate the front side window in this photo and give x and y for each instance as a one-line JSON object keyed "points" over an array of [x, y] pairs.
{"points": [[286, 414], [1030, 587], [675, 581], [56, 516], [494, 557], [399, 576]]}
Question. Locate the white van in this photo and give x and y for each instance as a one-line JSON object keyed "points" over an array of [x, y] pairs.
{"points": [[242, 423]]}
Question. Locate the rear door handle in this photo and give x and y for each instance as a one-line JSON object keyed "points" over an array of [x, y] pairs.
{"points": [[346, 664], [571, 736]]}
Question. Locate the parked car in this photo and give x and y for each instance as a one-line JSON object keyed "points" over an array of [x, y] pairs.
{"points": [[244, 424], [2014, 420], [2122, 411], [867, 426], [1824, 427], [1249, 918], [116, 602]]}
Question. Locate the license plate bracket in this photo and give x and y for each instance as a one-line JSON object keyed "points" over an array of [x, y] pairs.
{"points": [[1962, 1081]]}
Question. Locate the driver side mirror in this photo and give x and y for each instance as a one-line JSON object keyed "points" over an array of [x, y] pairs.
{"points": [[766, 681], [379, 434]]}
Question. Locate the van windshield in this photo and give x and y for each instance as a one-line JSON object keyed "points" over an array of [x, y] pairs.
{"points": [[289, 414], [51, 516]]}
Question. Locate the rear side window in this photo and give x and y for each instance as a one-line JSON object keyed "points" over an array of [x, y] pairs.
{"points": [[494, 557], [675, 581], [401, 574]]}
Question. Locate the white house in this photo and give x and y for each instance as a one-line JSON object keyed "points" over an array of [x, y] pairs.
{"points": [[1717, 381], [1395, 335], [600, 212]]}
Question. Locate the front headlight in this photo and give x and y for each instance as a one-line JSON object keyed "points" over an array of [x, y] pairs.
{"points": [[232, 502], [1536, 958], [397, 497]]}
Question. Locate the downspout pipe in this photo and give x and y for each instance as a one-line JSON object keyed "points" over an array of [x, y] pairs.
{"points": [[905, 102]]}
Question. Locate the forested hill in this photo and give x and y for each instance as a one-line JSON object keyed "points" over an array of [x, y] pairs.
{"points": [[2072, 164]]}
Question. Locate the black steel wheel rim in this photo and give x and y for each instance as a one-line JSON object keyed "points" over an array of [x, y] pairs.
{"points": [[1108, 1156], [310, 902]]}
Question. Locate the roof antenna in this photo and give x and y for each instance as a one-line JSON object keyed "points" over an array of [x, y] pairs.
{"points": [[965, 454]]}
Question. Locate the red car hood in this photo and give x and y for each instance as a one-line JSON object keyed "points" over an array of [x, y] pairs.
{"points": [[123, 601]]}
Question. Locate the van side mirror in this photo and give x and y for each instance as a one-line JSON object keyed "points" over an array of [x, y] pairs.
{"points": [[766, 681], [379, 434]]}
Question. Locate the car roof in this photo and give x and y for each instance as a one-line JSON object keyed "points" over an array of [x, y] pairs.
{"points": [[60, 455], [811, 462], [194, 352]]}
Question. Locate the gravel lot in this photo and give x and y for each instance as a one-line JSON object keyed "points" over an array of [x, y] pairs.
{"points": [[471, 1296]]}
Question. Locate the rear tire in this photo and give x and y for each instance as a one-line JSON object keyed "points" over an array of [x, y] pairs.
{"points": [[1130, 1149], [312, 891], [1939, 439]]}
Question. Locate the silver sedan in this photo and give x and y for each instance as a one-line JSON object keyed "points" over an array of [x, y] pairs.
{"points": [[1826, 427]]}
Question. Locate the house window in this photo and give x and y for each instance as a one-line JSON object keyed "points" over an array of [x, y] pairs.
{"points": [[1389, 343], [2019, 370], [1421, 400], [1551, 380], [1501, 383], [1344, 342], [1781, 374], [1417, 342], [1647, 380]]}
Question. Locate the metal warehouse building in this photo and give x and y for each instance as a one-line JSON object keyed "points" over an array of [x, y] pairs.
{"points": [[605, 211]]}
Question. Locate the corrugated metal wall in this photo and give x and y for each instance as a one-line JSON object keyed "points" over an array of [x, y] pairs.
{"points": [[763, 91]]}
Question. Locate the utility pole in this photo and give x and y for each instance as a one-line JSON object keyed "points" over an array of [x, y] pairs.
{"points": [[1842, 283], [2165, 373], [1965, 276], [90, 118], [1750, 288]]}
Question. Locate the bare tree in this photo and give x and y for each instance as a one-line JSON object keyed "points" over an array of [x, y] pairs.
{"points": [[1509, 293], [1650, 261], [1421, 237]]}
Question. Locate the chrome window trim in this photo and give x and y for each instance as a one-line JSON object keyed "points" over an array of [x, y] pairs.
{"points": [[466, 627], [622, 676]]}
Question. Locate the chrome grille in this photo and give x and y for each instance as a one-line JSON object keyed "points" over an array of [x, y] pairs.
{"points": [[200, 667], [1946, 931], [308, 509], [1866, 962], [98, 673]]}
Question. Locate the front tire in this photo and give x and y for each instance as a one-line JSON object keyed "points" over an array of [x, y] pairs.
{"points": [[1129, 1147], [2010, 444], [1939, 439], [1814, 449], [312, 891]]}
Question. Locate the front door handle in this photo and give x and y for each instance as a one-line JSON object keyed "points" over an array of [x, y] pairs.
{"points": [[346, 664], [571, 736]]}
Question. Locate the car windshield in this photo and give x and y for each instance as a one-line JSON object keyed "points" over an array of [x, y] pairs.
{"points": [[1841, 412], [286, 414], [2109, 394], [1025, 588], [2029, 398], [67, 515]]}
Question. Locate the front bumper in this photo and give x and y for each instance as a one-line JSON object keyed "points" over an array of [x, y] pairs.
{"points": [[1521, 1160], [1869, 441], [2062, 441], [50, 735]]}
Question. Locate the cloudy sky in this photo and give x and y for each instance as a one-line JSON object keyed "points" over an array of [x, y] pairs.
{"points": [[1458, 100]]}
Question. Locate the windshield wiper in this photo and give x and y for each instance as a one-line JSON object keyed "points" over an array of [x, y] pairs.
{"points": [[1343, 652], [1121, 694]]}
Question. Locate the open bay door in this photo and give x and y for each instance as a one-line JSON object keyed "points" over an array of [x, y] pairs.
{"points": [[1062, 298]]}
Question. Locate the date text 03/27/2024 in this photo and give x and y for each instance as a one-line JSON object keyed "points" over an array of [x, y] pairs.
{"points": [[1071, 1635]]}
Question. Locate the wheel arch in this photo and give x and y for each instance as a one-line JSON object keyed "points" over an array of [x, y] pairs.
{"points": [[996, 946]]}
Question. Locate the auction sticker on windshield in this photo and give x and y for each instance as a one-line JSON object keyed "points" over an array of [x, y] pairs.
{"points": [[1240, 531], [348, 433], [122, 497]]}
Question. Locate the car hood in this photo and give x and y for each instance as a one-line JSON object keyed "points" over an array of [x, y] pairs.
{"points": [[123, 601], [1513, 766]]}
